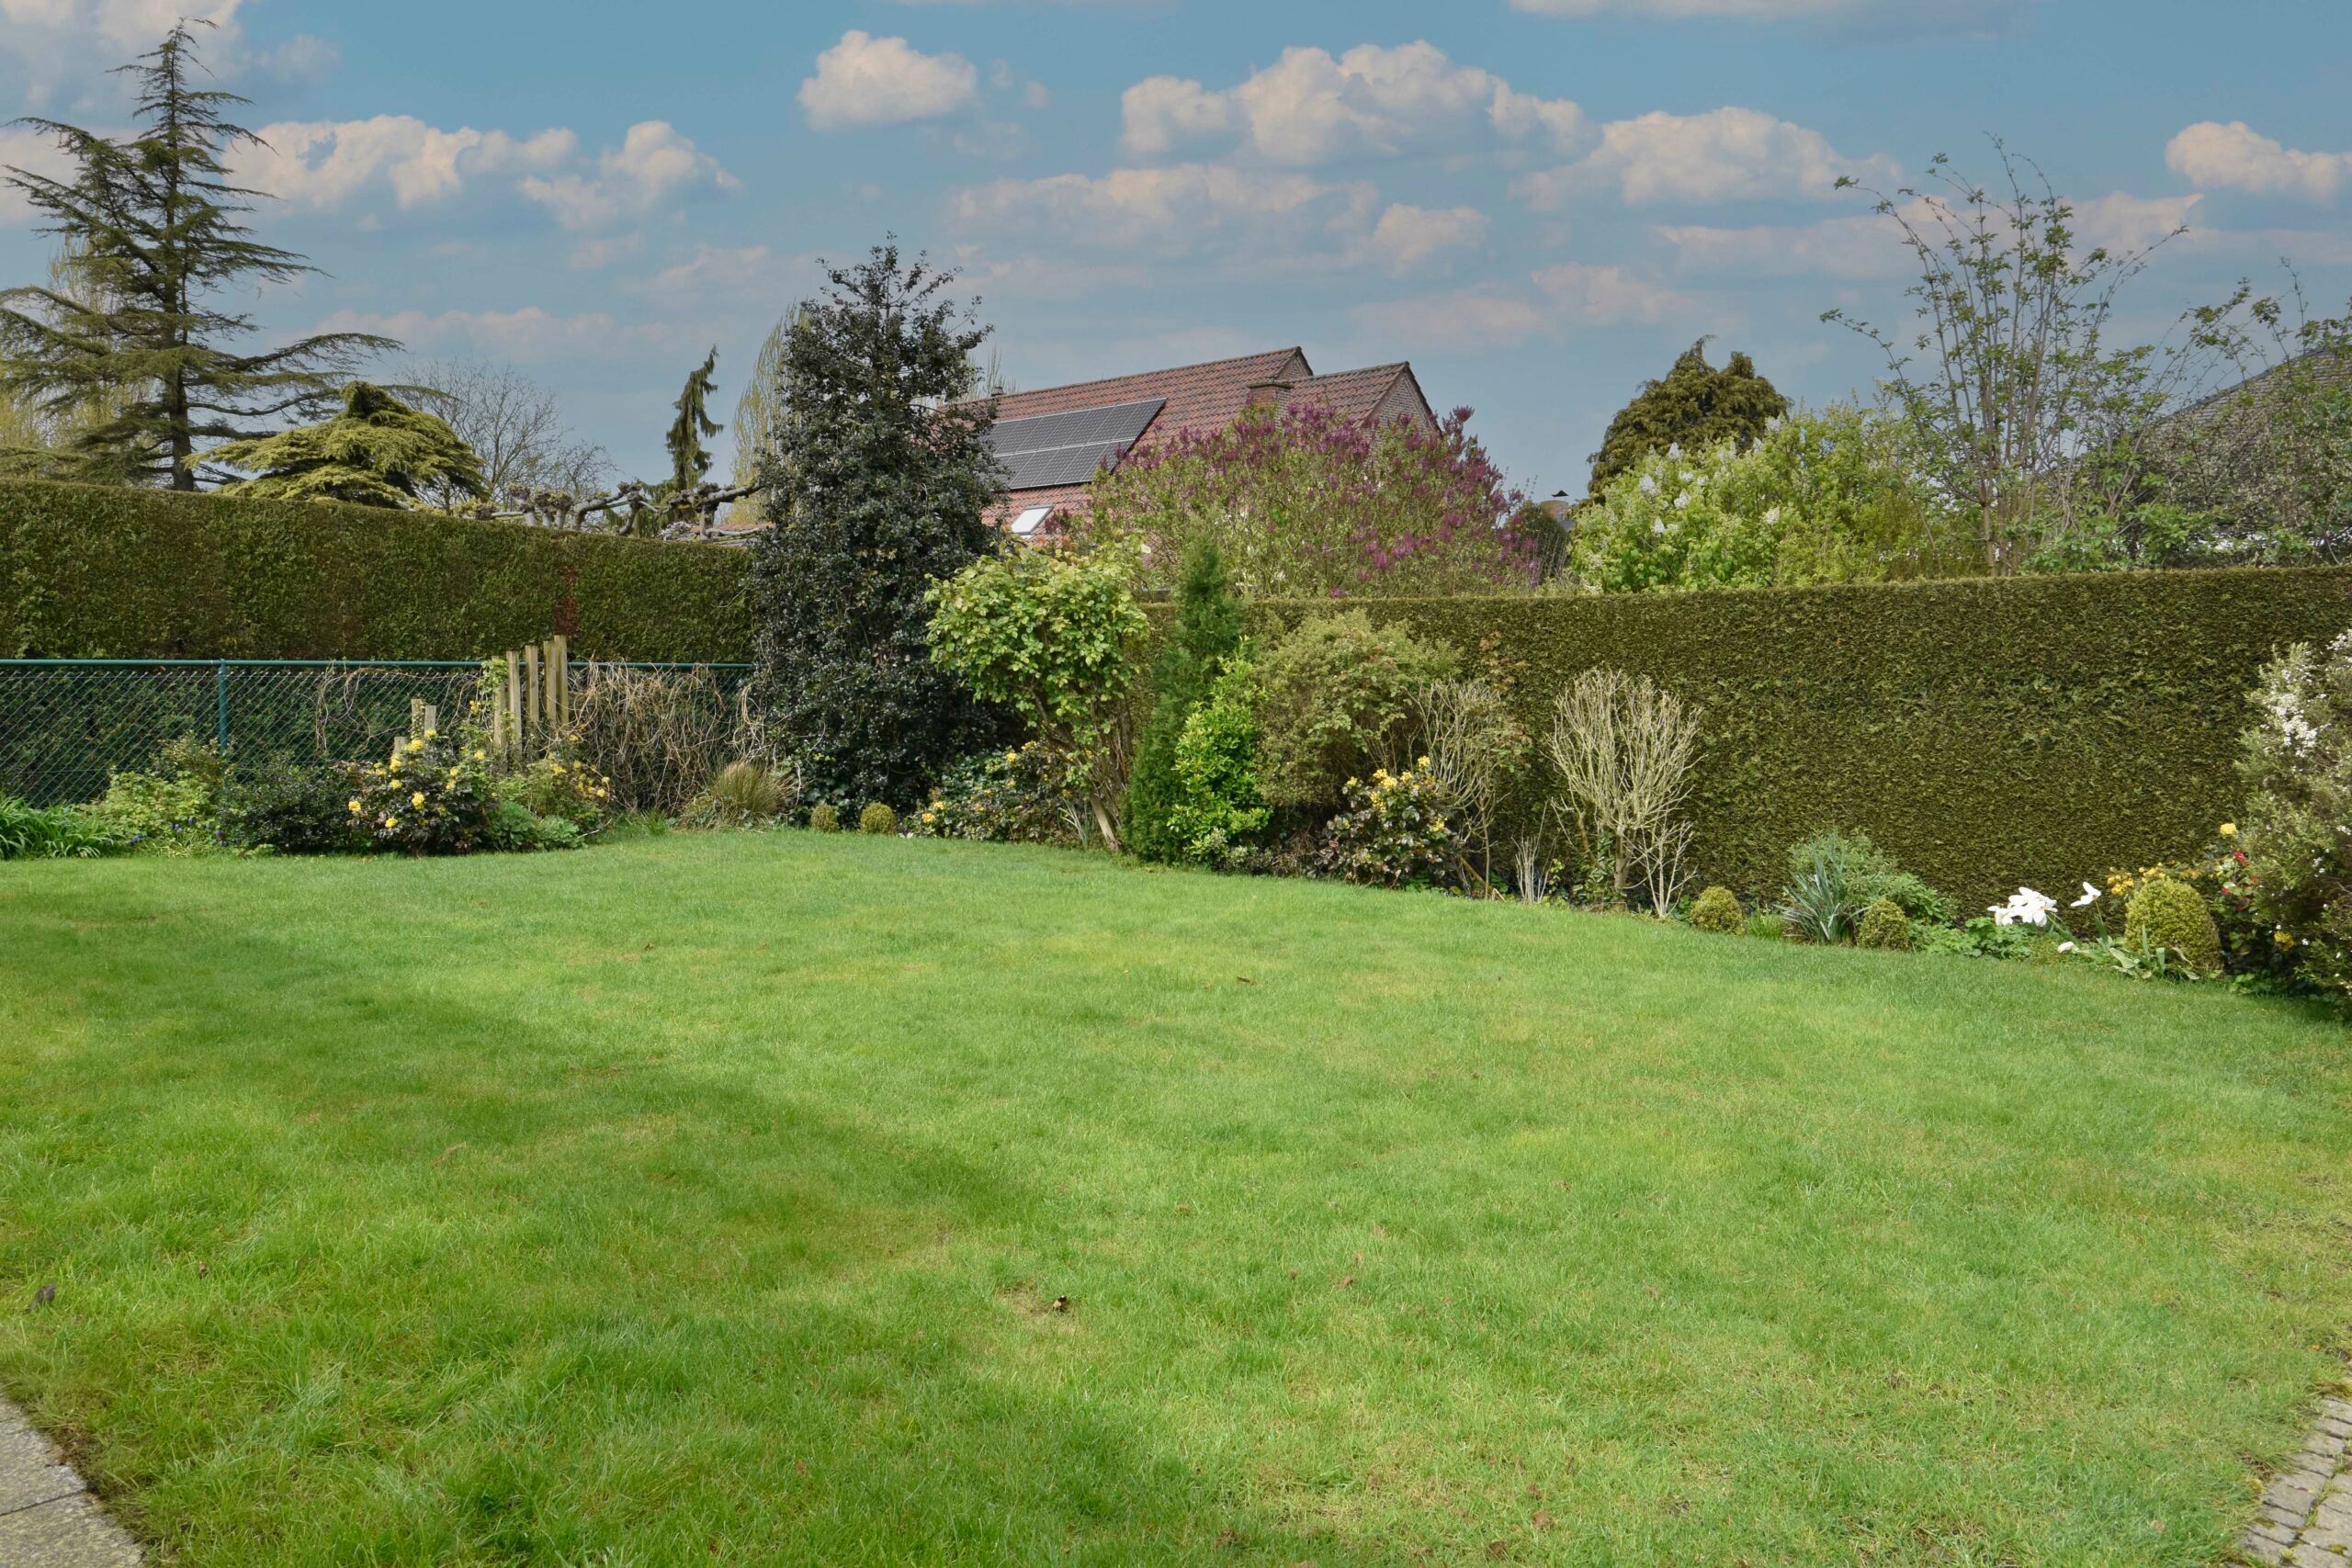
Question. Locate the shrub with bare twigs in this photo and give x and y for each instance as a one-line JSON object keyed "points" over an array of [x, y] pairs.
{"points": [[1624, 748], [659, 735]]}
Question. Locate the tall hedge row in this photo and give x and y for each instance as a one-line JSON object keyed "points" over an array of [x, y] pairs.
{"points": [[89, 571], [2033, 731]]}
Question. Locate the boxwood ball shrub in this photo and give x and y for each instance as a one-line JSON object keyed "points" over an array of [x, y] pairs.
{"points": [[878, 818], [1884, 926], [2170, 914], [1718, 909], [823, 818]]}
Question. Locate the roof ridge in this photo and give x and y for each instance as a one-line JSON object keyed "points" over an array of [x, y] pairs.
{"points": [[1163, 370]]}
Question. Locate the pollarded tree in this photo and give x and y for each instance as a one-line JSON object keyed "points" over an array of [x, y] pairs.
{"points": [[154, 223], [881, 478], [377, 452], [1692, 406]]}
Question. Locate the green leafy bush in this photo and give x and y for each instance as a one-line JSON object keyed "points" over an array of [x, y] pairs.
{"points": [[1718, 909], [2296, 876], [1218, 811], [1020, 796], [2171, 915], [173, 810], [293, 807], [560, 787], [1394, 833], [1055, 639], [877, 819], [1337, 700], [1834, 877], [52, 832], [824, 818], [1884, 926], [1206, 633], [516, 828]]}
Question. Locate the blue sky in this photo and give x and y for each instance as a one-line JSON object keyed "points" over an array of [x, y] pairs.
{"points": [[1539, 202]]}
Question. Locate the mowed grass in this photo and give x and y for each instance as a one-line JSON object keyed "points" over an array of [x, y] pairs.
{"points": [[708, 1199]]}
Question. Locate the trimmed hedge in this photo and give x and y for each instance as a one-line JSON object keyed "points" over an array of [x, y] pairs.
{"points": [[102, 571], [1988, 734]]}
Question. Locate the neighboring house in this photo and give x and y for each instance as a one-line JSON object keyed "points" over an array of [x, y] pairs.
{"points": [[1057, 441]]}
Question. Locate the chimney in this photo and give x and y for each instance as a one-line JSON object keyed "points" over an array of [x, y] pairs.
{"points": [[1268, 394]]}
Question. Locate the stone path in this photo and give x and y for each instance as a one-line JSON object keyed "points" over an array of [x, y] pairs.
{"points": [[2306, 1519], [48, 1519]]}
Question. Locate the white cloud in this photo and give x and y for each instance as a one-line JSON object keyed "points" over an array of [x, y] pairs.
{"points": [[529, 334], [1725, 154], [320, 165], [55, 44], [1310, 106], [652, 164], [35, 154], [1870, 245], [1562, 296], [1407, 238], [732, 275], [865, 79], [1174, 208], [2237, 157]]}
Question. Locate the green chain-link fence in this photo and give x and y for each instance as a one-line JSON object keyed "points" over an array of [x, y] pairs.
{"points": [[67, 724]]}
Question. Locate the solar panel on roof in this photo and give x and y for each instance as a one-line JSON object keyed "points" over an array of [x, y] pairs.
{"points": [[1069, 447]]}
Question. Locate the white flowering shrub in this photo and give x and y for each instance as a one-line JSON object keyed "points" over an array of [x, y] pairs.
{"points": [[1822, 497], [2296, 836]]}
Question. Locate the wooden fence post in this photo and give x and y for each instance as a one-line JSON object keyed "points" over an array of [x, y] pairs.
{"points": [[511, 699], [531, 663]]}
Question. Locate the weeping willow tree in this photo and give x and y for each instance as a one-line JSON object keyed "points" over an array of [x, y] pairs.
{"points": [[43, 437], [760, 409], [377, 452]]}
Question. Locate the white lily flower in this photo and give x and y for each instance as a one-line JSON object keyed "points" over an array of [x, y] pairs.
{"points": [[2091, 895]]}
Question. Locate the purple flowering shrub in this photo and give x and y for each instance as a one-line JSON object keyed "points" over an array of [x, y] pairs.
{"points": [[1303, 504]]}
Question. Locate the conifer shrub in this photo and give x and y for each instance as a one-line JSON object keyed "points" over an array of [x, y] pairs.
{"points": [[1718, 909], [2171, 915], [1884, 926]]}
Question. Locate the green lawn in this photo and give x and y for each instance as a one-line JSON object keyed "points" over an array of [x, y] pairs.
{"points": [[708, 1200]]}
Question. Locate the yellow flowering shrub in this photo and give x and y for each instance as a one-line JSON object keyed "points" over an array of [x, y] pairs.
{"points": [[431, 797], [560, 786]]}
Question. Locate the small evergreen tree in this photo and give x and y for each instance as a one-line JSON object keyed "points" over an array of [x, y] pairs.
{"points": [[377, 452], [882, 478], [1694, 405], [153, 223], [689, 458], [1207, 631]]}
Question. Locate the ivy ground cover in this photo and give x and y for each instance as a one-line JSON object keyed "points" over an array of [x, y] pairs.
{"points": [[788, 1198]]}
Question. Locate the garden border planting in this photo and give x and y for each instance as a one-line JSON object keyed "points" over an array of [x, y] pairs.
{"points": [[1988, 733]]}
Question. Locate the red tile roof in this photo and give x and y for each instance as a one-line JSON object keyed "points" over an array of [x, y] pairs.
{"points": [[1209, 396]]}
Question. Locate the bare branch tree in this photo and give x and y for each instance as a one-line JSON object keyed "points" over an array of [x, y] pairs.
{"points": [[1624, 746], [2025, 416], [514, 426]]}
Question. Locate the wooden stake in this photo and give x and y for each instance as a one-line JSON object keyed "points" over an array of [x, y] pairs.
{"points": [[512, 699], [531, 661], [549, 657], [562, 647]]}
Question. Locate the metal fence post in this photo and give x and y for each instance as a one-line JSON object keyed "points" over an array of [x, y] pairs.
{"points": [[221, 707]]}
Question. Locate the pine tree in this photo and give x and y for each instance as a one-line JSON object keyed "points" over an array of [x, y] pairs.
{"points": [[1693, 405], [156, 225], [377, 452], [881, 478], [689, 458], [1208, 629]]}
